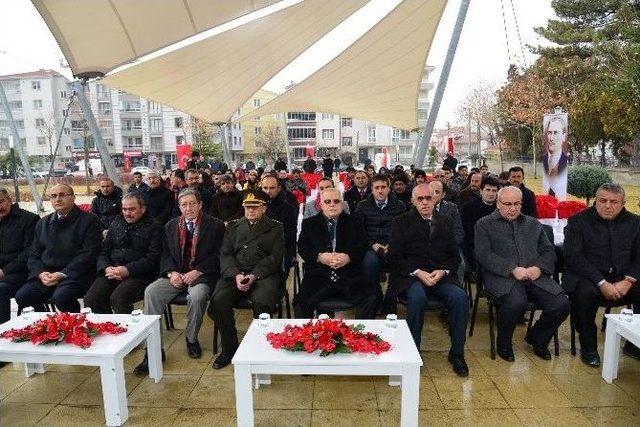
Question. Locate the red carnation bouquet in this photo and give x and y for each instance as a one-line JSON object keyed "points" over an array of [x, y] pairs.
{"points": [[549, 206], [330, 337], [56, 328]]}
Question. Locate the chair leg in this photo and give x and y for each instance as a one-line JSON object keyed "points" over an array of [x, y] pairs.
{"points": [[170, 316], [474, 313], [288, 304], [280, 310], [572, 326], [532, 313], [556, 344], [607, 310], [166, 319], [215, 338], [492, 337]]}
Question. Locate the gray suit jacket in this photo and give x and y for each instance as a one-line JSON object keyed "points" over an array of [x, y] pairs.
{"points": [[502, 245], [450, 210]]}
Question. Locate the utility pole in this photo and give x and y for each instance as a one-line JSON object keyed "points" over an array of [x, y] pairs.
{"points": [[14, 172], [442, 84], [87, 164]]}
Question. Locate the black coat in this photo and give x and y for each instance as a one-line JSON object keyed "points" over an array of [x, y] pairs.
{"points": [[280, 165], [327, 165], [107, 208], [467, 195], [376, 221], [136, 246], [160, 202], [309, 166], [353, 198], [597, 249], [207, 258], [140, 190], [411, 248], [404, 198], [16, 236], [227, 206], [280, 210], [528, 202], [470, 214], [70, 246], [350, 239]]}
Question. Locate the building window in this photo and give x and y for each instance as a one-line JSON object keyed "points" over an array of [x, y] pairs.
{"points": [[256, 102], [301, 133], [400, 134], [371, 133], [15, 105], [155, 108], [307, 116], [235, 141], [327, 116], [179, 140], [155, 125], [129, 105], [299, 153], [20, 124], [105, 123], [347, 122], [257, 130], [77, 125], [108, 142], [37, 104], [132, 142], [39, 123], [63, 94], [422, 115], [406, 150], [42, 140], [328, 134], [104, 107], [156, 142], [67, 131], [347, 141], [178, 122], [4, 143], [35, 85]]}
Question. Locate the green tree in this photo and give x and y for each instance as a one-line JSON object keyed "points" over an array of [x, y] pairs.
{"points": [[584, 180]]}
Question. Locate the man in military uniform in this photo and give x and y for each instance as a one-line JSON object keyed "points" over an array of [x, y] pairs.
{"points": [[250, 262]]}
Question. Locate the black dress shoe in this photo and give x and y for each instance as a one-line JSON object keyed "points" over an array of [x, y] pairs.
{"points": [[590, 359], [194, 349], [222, 360], [506, 354], [629, 349], [143, 368], [542, 352], [3, 364], [459, 365]]}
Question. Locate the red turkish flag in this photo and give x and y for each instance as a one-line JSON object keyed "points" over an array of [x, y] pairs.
{"points": [[183, 152], [310, 151], [450, 145]]}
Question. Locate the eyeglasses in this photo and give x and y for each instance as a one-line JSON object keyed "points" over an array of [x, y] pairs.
{"points": [[421, 199], [332, 201], [58, 195], [511, 205]]}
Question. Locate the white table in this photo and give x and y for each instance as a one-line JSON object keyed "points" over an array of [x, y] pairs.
{"points": [[255, 356], [106, 351], [617, 329]]}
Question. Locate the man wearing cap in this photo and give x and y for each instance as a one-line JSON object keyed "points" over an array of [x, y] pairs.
{"points": [[250, 263]]}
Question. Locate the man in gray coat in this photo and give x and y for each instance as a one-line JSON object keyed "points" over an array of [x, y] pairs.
{"points": [[517, 262]]}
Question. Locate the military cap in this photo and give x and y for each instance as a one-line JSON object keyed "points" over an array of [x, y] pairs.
{"points": [[254, 198]]}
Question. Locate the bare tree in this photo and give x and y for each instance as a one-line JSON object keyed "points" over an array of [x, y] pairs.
{"points": [[47, 128], [270, 142]]}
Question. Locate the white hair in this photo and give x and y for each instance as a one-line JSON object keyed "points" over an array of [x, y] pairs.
{"points": [[509, 189]]}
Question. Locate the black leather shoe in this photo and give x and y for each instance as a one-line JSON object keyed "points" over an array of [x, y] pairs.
{"points": [[542, 352], [629, 349], [143, 368], [3, 364], [590, 359], [459, 365], [222, 360], [194, 349], [506, 354]]}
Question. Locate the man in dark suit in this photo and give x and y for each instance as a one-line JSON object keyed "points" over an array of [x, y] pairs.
{"points": [[359, 191], [16, 234], [517, 262], [332, 245], [424, 258], [602, 264], [62, 260], [476, 209], [159, 200], [192, 178], [189, 264], [448, 209], [280, 210], [516, 178], [471, 191], [227, 202], [327, 166], [251, 262]]}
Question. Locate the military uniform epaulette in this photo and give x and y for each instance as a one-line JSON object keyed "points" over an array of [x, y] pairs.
{"points": [[233, 222]]}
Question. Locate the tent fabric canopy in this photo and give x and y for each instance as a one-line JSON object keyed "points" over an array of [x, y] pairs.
{"points": [[100, 35], [378, 77], [211, 78]]}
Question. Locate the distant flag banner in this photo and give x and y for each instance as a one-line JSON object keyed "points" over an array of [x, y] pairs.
{"points": [[183, 152], [310, 152], [450, 145]]}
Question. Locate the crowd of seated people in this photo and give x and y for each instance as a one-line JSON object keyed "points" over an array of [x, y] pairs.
{"points": [[221, 235]]}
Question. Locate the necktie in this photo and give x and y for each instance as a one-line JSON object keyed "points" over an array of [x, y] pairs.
{"points": [[381, 205], [190, 227], [427, 223], [332, 234]]}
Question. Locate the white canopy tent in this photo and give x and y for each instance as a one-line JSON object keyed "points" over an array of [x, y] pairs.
{"points": [[378, 77], [97, 36]]}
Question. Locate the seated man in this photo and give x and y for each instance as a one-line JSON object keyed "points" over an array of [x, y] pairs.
{"points": [[424, 257], [376, 213], [472, 191], [360, 191], [227, 202], [62, 259], [192, 178], [517, 262], [251, 262], [108, 202], [189, 264], [332, 245], [16, 234], [138, 185], [128, 261], [313, 206], [602, 264], [280, 210], [159, 200], [399, 187], [476, 209]]}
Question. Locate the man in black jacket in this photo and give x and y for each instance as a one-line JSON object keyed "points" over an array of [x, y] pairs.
{"points": [[16, 234], [280, 165], [190, 263], [227, 202], [332, 245], [359, 191], [602, 264], [108, 202], [128, 261], [424, 258], [476, 209], [309, 165], [516, 178], [327, 166], [377, 212], [138, 185], [279, 209], [192, 178], [62, 259], [158, 199]]}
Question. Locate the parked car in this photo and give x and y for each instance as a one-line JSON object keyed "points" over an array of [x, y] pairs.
{"points": [[142, 169]]}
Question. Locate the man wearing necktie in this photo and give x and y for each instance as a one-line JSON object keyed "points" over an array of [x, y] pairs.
{"points": [[358, 192], [332, 245]]}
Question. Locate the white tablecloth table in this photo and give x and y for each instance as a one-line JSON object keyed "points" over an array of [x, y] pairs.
{"points": [[617, 328], [106, 351], [256, 357]]}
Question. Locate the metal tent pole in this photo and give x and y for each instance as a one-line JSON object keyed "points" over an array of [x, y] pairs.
{"points": [[442, 84]]}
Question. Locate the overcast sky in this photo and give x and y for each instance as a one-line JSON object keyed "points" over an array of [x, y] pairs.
{"points": [[26, 43]]}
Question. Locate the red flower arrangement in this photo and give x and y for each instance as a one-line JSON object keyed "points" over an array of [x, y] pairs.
{"points": [[330, 337], [63, 327], [547, 207]]}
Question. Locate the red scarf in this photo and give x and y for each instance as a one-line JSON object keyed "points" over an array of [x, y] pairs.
{"points": [[182, 234]]}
